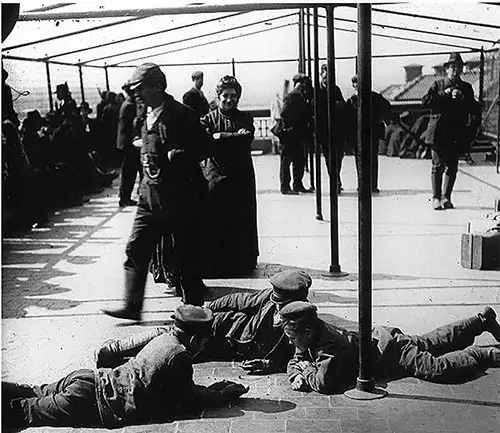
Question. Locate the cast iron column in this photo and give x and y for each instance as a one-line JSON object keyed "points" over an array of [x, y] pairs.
{"points": [[310, 146], [365, 384], [82, 91], [319, 215], [107, 77], [49, 87], [335, 270]]}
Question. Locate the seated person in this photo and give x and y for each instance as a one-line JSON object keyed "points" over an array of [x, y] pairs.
{"points": [[157, 382], [326, 356]]}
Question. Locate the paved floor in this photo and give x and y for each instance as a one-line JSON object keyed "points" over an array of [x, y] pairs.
{"points": [[56, 279]]}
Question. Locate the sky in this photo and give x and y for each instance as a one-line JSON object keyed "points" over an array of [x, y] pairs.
{"points": [[260, 81]]}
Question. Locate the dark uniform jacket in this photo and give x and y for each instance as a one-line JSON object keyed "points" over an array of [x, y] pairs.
{"points": [[195, 99], [449, 125], [168, 185], [246, 320], [297, 116], [157, 382], [126, 132]]}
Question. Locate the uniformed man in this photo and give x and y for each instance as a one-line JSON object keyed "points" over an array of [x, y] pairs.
{"points": [[247, 327], [174, 142], [326, 356], [194, 97], [455, 116], [155, 384]]}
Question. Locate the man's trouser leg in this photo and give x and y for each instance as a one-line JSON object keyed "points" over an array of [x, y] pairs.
{"points": [[298, 166], [285, 162], [374, 164], [450, 174], [131, 165], [70, 401], [340, 157], [445, 354]]}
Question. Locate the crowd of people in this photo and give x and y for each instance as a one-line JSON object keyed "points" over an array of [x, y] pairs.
{"points": [[52, 161]]}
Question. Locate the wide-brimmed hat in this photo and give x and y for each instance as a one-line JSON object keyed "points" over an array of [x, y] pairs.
{"points": [[455, 58]]}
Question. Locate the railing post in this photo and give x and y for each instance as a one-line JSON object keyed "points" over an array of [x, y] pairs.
{"points": [[233, 67], [365, 384], [107, 77], [49, 87], [82, 91]]}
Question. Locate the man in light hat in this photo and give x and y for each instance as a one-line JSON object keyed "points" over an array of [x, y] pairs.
{"points": [[247, 325], [326, 356], [194, 97], [297, 117], [154, 384], [455, 117], [173, 144]]}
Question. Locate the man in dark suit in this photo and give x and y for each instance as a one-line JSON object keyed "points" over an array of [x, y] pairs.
{"points": [[174, 143], [129, 141], [194, 97], [455, 116]]}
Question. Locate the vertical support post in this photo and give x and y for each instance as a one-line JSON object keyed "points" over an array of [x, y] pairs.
{"points": [[301, 40], [49, 86], [107, 77], [310, 147], [233, 67], [365, 384], [319, 215], [481, 78], [335, 270], [82, 91], [498, 120]]}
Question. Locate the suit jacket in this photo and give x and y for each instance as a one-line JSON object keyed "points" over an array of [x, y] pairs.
{"points": [[195, 99], [126, 131]]}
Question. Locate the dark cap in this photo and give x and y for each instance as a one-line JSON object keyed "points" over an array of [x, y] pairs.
{"points": [[298, 310], [354, 79], [290, 286], [301, 78], [194, 320], [62, 87], [455, 58], [147, 73], [197, 74]]}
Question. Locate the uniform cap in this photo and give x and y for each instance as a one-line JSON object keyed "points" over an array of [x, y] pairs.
{"points": [[146, 73], [454, 58], [292, 285], [193, 319], [298, 310]]}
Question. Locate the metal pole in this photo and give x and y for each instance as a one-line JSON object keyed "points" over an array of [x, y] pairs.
{"points": [[49, 87], [319, 215], [481, 78], [233, 66], [301, 40], [107, 77], [335, 270], [498, 121], [82, 91], [365, 385], [310, 147]]}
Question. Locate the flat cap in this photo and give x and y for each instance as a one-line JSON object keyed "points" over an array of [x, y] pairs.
{"points": [[292, 285], [146, 73], [194, 319], [298, 310]]}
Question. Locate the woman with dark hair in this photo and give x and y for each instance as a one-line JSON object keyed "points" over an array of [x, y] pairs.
{"points": [[232, 242]]}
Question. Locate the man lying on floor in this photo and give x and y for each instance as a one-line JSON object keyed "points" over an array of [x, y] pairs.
{"points": [[326, 356], [155, 384]]}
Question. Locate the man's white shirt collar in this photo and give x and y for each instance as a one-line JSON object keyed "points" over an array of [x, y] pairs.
{"points": [[153, 115]]}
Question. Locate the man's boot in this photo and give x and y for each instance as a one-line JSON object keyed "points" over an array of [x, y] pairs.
{"points": [[135, 284], [489, 318], [193, 291], [449, 181], [436, 181]]}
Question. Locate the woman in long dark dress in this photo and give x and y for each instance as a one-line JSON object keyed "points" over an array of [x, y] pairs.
{"points": [[231, 220]]}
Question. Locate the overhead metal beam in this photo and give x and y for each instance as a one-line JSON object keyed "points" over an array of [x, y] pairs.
{"points": [[78, 32], [192, 9], [184, 26], [204, 44], [185, 39], [54, 62]]}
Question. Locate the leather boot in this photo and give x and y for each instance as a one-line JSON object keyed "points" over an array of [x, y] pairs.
{"points": [[193, 291], [436, 181], [135, 284], [449, 181]]}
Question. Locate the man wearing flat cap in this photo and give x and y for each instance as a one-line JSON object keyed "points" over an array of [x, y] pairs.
{"points": [[455, 117], [194, 97], [174, 142], [297, 117], [154, 384], [247, 325], [326, 356]]}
